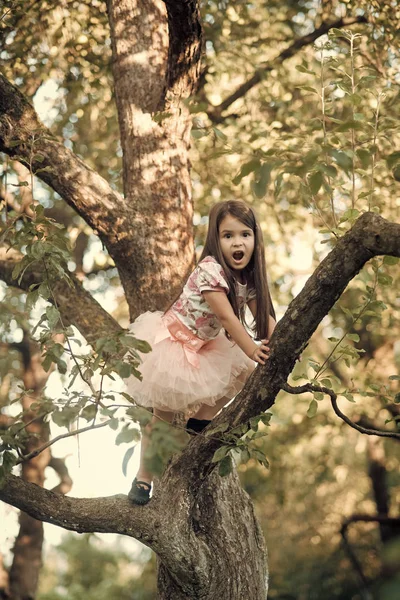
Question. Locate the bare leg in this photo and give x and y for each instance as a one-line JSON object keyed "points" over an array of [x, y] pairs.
{"points": [[209, 412], [144, 474]]}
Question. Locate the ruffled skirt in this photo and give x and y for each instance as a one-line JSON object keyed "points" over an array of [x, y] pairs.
{"points": [[170, 380]]}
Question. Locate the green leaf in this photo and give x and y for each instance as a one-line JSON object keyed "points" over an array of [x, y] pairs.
{"points": [[265, 418], [262, 177], [114, 424], [159, 117], [220, 453], [394, 377], [245, 170], [139, 415], [348, 125], [364, 156], [397, 399], [142, 346], [47, 169], [220, 429], [343, 160], [127, 457], [307, 88], [328, 169], [14, 143], [304, 69], [350, 215], [393, 159], [47, 362], [390, 260], [225, 466], [220, 134], [62, 366], [334, 32], [89, 412], [315, 181], [127, 435], [199, 133], [312, 409], [327, 383], [53, 316], [260, 456], [245, 455], [124, 369], [354, 337], [348, 396], [318, 396], [9, 460], [385, 279]]}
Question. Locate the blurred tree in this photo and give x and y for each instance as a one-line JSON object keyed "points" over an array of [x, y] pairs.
{"points": [[84, 568], [303, 162]]}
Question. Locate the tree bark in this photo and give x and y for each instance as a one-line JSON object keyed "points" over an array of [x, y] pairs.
{"points": [[27, 550], [76, 305], [153, 73]]}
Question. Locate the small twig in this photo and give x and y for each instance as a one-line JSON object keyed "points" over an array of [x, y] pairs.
{"points": [[309, 387], [59, 437], [37, 418]]}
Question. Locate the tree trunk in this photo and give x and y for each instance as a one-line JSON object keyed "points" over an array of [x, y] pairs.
{"points": [[223, 520], [27, 561], [155, 138]]}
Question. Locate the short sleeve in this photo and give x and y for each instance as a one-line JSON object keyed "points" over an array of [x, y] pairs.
{"points": [[211, 277], [251, 294]]}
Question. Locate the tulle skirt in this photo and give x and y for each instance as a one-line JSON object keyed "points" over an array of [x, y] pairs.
{"points": [[169, 379]]}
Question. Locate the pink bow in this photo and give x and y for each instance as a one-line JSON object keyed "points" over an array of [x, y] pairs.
{"points": [[178, 332]]}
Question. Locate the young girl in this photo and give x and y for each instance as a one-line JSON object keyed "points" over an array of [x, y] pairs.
{"points": [[201, 353]]}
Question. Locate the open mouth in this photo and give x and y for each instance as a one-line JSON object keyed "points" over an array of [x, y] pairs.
{"points": [[238, 256]]}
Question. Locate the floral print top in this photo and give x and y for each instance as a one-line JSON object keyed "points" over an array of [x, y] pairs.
{"points": [[192, 309]]}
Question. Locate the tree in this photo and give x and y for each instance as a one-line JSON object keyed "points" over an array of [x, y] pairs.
{"points": [[189, 522]]}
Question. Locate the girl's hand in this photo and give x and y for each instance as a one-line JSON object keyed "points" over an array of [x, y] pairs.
{"points": [[261, 353]]}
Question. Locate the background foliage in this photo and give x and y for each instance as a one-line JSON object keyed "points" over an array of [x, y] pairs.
{"points": [[311, 146]]}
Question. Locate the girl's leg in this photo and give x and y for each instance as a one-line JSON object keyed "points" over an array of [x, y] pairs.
{"points": [[206, 412], [143, 473]]}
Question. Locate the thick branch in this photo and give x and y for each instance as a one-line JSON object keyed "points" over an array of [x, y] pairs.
{"points": [[153, 72], [81, 187], [77, 306], [113, 514], [185, 44], [370, 236], [259, 75]]}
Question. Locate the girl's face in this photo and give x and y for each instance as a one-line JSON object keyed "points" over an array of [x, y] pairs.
{"points": [[237, 242]]}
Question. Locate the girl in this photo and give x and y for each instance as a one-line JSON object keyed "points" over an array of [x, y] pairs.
{"points": [[201, 353]]}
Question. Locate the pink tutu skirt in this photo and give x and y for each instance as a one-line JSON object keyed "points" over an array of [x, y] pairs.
{"points": [[175, 377]]}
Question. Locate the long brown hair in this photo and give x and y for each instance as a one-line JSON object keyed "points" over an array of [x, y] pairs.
{"points": [[255, 272]]}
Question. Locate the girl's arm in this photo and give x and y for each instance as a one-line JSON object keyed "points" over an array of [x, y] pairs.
{"points": [[252, 304], [222, 308]]}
